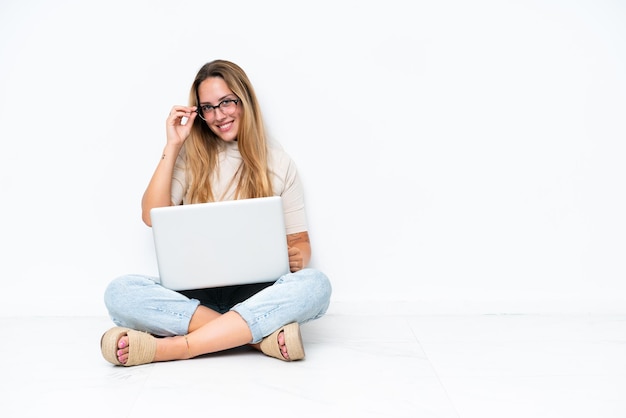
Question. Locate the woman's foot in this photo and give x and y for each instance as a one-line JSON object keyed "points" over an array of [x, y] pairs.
{"points": [[127, 347], [280, 339], [168, 348], [284, 343], [123, 348]]}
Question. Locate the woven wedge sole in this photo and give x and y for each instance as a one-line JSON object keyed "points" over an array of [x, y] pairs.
{"points": [[142, 346], [293, 340]]}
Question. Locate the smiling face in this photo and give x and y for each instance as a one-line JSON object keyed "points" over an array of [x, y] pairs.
{"points": [[222, 120]]}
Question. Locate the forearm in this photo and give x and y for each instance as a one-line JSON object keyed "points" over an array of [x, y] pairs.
{"points": [[158, 192]]}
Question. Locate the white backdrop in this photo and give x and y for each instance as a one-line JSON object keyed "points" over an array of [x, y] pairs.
{"points": [[458, 157]]}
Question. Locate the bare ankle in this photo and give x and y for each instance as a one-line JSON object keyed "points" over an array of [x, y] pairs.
{"points": [[172, 348], [188, 350]]}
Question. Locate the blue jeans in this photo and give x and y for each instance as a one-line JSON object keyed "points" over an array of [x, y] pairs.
{"points": [[141, 303]]}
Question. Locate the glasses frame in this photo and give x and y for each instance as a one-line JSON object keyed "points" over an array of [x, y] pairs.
{"points": [[200, 108]]}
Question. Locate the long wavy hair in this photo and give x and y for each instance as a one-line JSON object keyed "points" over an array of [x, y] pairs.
{"points": [[202, 146]]}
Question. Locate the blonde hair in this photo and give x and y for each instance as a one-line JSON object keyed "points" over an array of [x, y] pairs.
{"points": [[202, 146]]}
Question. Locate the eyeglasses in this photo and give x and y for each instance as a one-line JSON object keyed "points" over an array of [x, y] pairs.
{"points": [[227, 106]]}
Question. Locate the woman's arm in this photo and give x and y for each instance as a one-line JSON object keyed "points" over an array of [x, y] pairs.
{"points": [[299, 250], [159, 190]]}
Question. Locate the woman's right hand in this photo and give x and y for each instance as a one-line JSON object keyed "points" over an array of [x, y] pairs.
{"points": [[177, 131]]}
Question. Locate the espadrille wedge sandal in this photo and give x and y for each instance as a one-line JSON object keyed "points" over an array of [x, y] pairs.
{"points": [[293, 341], [142, 346]]}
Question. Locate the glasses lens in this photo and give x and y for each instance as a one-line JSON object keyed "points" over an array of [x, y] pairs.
{"points": [[227, 107]]}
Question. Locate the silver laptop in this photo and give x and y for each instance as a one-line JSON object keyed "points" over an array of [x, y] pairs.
{"points": [[220, 244]]}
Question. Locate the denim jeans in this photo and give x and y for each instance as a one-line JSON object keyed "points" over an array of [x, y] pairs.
{"points": [[141, 303]]}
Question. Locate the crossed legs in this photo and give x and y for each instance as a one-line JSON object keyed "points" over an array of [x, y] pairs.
{"points": [[188, 328], [209, 332]]}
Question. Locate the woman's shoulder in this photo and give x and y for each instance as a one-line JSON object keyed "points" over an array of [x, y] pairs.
{"points": [[280, 162], [278, 153], [275, 146]]}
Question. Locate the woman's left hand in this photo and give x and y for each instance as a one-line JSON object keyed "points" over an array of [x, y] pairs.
{"points": [[299, 250], [296, 260]]}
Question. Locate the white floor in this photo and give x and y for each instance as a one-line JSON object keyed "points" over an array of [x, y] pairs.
{"points": [[481, 366]]}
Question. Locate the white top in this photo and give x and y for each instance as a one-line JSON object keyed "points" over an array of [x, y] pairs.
{"points": [[284, 175]]}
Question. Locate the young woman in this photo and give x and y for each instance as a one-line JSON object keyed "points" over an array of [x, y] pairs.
{"points": [[217, 149]]}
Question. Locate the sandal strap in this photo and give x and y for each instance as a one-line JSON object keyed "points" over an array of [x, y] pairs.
{"points": [[293, 340], [142, 346]]}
